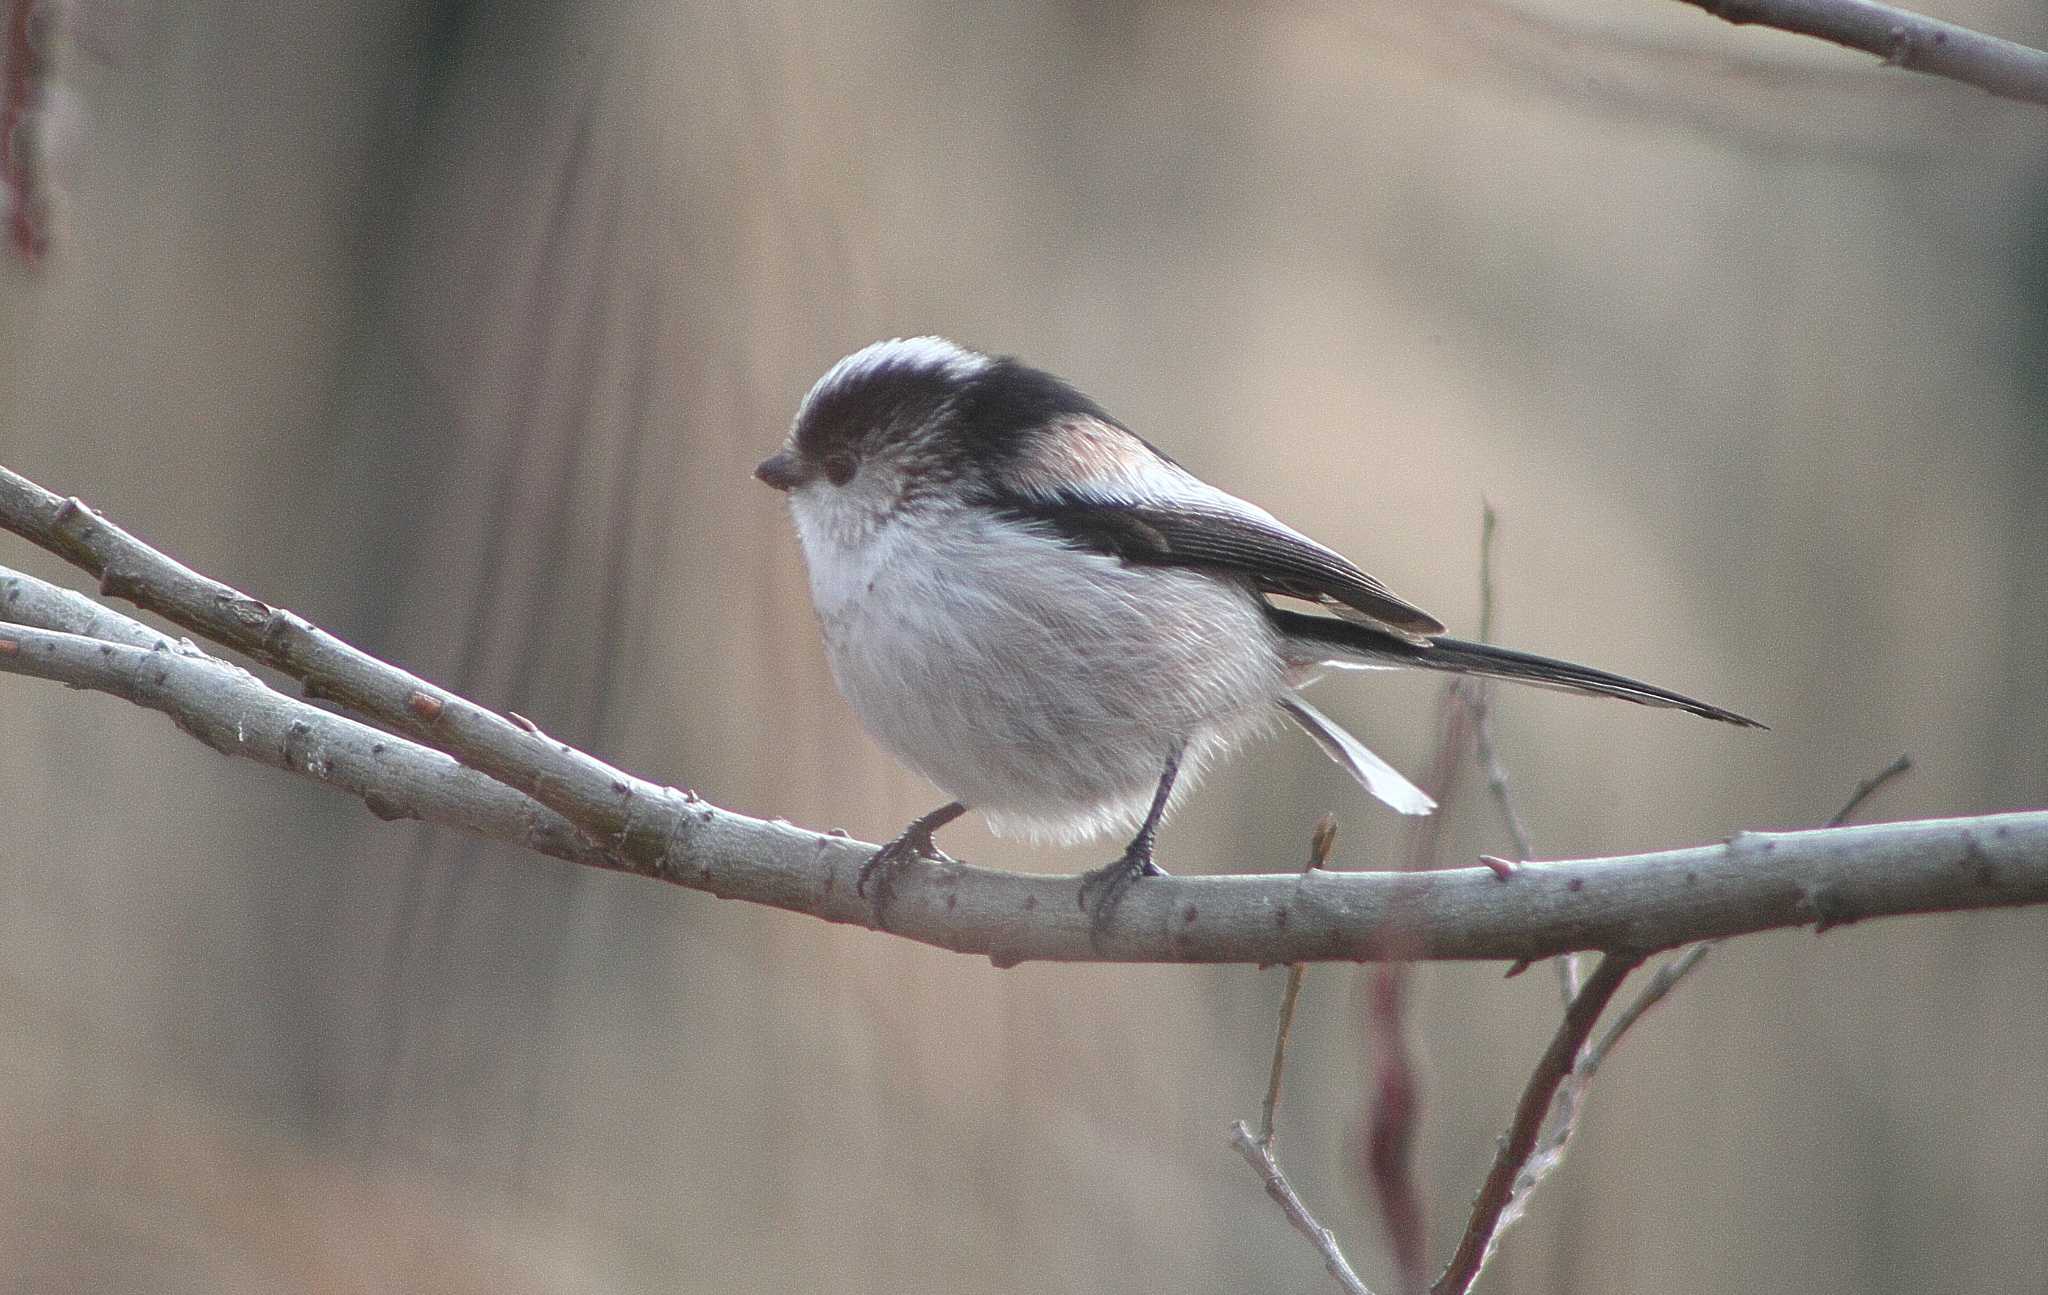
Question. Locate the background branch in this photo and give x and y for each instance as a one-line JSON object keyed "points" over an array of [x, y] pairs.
{"points": [[1904, 39], [1498, 1191], [1258, 1151], [1547, 1153], [1259, 1155]]}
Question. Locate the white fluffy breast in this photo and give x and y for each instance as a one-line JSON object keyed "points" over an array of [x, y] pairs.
{"points": [[1040, 685]]}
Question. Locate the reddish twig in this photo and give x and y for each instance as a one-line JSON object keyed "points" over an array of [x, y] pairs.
{"points": [[1548, 1152], [1559, 1060], [22, 91], [1394, 1110]]}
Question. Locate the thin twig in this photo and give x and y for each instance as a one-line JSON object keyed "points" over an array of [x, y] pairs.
{"points": [[1487, 751], [1482, 700], [1564, 1116], [1295, 973], [1394, 1108], [1661, 983], [1320, 845], [1476, 1244], [1667, 976], [1870, 787], [1259, 1153], [1903, 39], [1260, 1157], [1497, 776]]}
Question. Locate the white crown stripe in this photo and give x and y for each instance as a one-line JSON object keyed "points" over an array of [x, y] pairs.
{"points": [[948, 359]]}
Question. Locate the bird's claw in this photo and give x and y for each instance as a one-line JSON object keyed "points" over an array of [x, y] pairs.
{"points": [[1103, 889], [881, 867]]}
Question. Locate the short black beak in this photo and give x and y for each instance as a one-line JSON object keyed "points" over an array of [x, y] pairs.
{"points": [[781, 470]]}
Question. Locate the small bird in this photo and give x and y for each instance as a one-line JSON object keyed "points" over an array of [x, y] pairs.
{"points": [[1058, 625]]}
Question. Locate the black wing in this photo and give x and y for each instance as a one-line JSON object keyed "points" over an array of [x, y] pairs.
{"points": [[1274, 559]]}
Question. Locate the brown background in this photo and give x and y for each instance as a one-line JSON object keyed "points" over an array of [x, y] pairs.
{"points": [[458, 329]]}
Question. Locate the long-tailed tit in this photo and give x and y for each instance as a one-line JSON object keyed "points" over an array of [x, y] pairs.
{"points": [[1059, 625]]}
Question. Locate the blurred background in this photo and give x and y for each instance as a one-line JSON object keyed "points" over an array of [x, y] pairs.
{"points": [[458, 328]]}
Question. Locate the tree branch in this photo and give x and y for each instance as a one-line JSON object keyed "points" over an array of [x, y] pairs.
{"points": [[1498, 1191], [1643, 903], [1258, 1151], [1543, 1155], [237, 714], [1904, 39], [1259, 1155]]}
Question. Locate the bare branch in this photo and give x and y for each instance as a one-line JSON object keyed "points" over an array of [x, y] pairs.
{"points": [[1752, 882], [1755, 882], [1320, 844], [1870, 787], [1904, 39], [1260, 1157], [1496, 1193], [1565, 1107], [1487, 751], [1258, 1152], [580, 787], [26, 600], [1667, 976], [236, 713]]}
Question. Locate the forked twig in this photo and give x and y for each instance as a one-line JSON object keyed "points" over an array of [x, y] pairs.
{"points": [[1258, 1151], [1679, 967], [1260, 1157], [1482, 1233], [1544, 1155]]}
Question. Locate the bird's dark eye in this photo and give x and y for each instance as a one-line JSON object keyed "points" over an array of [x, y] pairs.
{"points": [[839, 468]]}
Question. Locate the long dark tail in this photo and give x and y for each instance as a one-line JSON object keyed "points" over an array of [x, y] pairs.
{"points": [[1348, 640]]}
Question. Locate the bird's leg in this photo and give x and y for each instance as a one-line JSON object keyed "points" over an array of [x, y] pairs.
{"points": [[913, 842], [1102, 889]]}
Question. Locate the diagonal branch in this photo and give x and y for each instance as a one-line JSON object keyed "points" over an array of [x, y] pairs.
{"points": [[1904, 39], [1497, 1192], [580, 787], [1545, 1154], [235, 713], [1259, 1155]]}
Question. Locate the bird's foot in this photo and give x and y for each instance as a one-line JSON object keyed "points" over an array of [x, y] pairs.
{"points": [[880, 869], [1103, 889]]}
